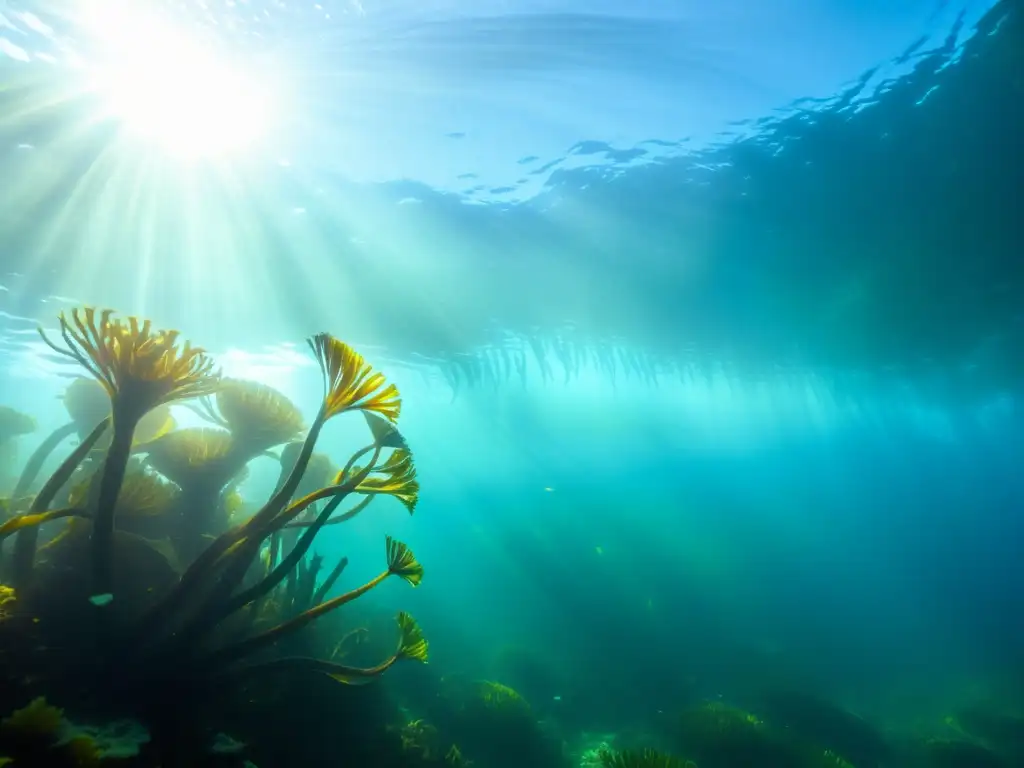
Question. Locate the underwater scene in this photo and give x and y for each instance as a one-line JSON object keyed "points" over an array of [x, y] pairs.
{"points": [[548, 384]]}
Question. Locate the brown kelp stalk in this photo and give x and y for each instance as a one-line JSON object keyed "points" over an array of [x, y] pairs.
{"points": [[398, 480], [223, 603], [401, 482], [32, 468], [39, 456], [220, 604], [28, 535], [218, 555], [401, 563]]}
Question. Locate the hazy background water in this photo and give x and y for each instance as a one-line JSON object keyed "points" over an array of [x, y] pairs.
{"points": [[707, 321]]}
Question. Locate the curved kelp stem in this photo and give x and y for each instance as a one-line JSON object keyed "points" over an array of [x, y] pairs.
{"points": [[114, 466], [341, 488], [28, 537], [249, 548], [328, 584], [35, 464], [401, 562], [29, 520], [274, 548], [271, 519], [340, 672], [278, 574], [344, 517], [222, 604], [305, 583], [211, 559], [411, 645], [250, 645], [39, 457], [198, 504], [275, 539]]}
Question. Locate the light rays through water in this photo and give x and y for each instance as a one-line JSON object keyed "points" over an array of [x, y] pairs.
{"points": [[167, 127]]}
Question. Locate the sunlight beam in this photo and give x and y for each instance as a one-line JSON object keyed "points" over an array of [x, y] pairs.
{"points": [[167, 86]]}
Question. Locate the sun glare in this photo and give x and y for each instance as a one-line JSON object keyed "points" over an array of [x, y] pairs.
{"points": [[167, 86]]}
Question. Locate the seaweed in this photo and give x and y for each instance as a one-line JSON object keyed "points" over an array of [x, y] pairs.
{"points": [[135, 608], [642, 758]]}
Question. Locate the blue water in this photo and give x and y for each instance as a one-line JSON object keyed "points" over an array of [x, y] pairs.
{"points": [[706, 319]]}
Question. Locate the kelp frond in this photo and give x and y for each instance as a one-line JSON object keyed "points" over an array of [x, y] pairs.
{"points": [[179, 454], [258, 416], [143, 494], [8, 599], [140, 368], [411, 645], [402, 562], [398, 479], [350, 382], [154, 425]]}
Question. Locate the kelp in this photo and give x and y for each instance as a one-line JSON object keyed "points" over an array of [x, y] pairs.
{"points": [[141, 369], [227, 608]]}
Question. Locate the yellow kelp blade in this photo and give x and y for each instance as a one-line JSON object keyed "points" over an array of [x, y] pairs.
{"points": [[406, 491], [154, 425], [398, 480], [29, 520], [349, 381], [402, 562], [412, 644]]}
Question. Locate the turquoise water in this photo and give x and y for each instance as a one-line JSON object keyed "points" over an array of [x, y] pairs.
{"points": [[706, 323]]}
